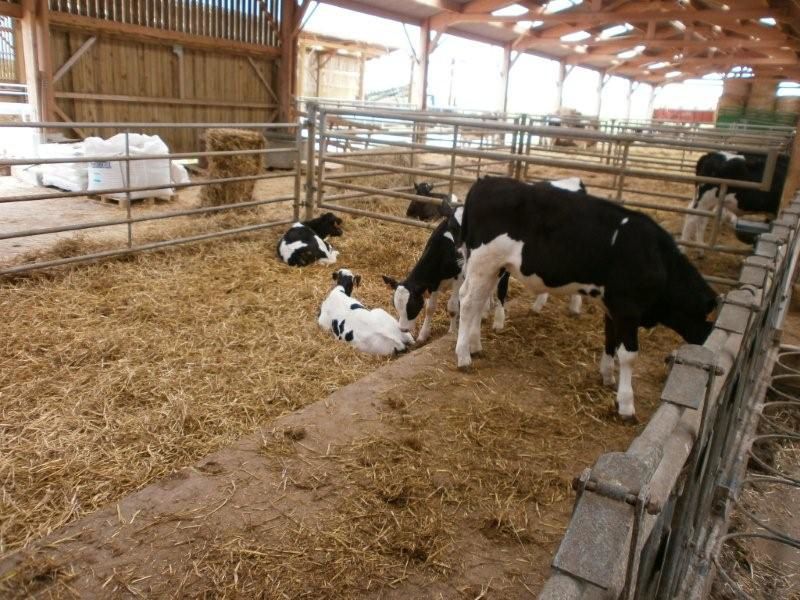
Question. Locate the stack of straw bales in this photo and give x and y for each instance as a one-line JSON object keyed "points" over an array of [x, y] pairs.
{"points": [[232, 166], [734, 94]]}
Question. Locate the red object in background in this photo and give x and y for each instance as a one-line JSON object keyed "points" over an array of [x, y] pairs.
{"points": [[684, 116]]}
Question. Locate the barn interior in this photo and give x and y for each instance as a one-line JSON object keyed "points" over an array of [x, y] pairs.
{"points": [[173, 422]]}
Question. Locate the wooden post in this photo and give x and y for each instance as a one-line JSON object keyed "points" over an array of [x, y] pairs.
{"points": [[45, 60], [362, 63], [628, 96], [562, 75], [505, 75], [653, 93], [601, 84], [790, 187], [287, 76], [30, 55], [424, 54]]}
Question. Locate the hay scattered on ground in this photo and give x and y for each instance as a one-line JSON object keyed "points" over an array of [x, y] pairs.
{"points": [[114, 374], [232, 166]]}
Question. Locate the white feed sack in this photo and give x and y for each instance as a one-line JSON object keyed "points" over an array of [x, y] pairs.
{"points": [[72, 177], [107, 175]]}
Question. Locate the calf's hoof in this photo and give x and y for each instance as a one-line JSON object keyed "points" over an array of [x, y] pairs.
{"points": [[629, 419], [609, 381]]}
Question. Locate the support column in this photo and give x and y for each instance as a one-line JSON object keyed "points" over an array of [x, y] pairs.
{"points": [[653, 93], [793, 174], [631, 87], [422, 64], [505, 75], [30, 53], [287, 73], [562, 75], [601, 84], [38, 58]]}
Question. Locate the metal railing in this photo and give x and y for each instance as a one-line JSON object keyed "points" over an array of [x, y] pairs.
{"points": [[125, 192], [471, 145], [648, 522]]}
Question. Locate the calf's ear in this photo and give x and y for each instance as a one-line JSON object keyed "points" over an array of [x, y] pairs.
{"points": [[335, 275], [392, 283]]}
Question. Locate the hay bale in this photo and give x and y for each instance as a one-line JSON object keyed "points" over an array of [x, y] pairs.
{"points": [[762, 95], [231, 166]]}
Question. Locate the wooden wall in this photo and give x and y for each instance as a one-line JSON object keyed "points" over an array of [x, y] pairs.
{"points": [[325, 74], [124, 80]]}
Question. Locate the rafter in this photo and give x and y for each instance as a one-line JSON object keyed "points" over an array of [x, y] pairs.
{"points": [[572, 17]]}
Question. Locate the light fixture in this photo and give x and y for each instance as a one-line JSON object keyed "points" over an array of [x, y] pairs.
{"points": [[577, 36], [510, 11]]}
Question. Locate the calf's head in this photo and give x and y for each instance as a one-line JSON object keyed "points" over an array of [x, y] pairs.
{"points": [[408, 301], [423, 189], [346, 279], [690, 305], [327, 225]]}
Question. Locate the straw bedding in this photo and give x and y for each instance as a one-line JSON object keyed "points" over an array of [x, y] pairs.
{"points": [[115, 374]]}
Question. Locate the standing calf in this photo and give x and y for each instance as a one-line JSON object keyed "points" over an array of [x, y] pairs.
{"points": [[737, 200], [371, 331], [438, 268], [555, 240], [304, 243]]}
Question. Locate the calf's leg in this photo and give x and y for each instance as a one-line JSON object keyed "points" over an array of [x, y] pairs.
{"points": [[540, 301], [500, 309], [476, 289], [575, 304], [453, 303], [430, 309], [610, 350], [627, 353]]}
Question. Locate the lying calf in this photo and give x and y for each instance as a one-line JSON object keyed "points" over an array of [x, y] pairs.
{"points": [[371, 331], [304, 243], [425, 211]]}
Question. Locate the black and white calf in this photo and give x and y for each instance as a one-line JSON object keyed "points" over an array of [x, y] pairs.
{"points": [[436, 270], [570, 184], [551, 239], [304, 243], [741, 167], [373, 331], [425, 211]]}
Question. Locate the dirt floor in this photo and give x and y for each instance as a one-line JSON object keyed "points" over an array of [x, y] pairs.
{"points": [[123, 373], [417, 482]]}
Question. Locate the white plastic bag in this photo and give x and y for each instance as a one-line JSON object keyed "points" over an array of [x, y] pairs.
{"points": [[108, 175]]}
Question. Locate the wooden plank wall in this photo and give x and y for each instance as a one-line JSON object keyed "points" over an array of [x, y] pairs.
{"points": [[338, 77], [135, 70]]}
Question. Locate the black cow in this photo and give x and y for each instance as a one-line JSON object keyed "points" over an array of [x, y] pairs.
{"points": [[551, 239], [426, 211], [741, 167], [438, 267], [305, 244]]}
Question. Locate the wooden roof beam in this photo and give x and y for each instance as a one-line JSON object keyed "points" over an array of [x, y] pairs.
{"points": [[585, 18], [10, 10]]}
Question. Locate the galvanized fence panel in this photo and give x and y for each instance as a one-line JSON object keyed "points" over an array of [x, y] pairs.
{"points": [[515, 145], [131, 218]]}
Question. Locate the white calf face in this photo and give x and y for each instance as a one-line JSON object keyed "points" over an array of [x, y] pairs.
{"points": [[408, 306]]}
